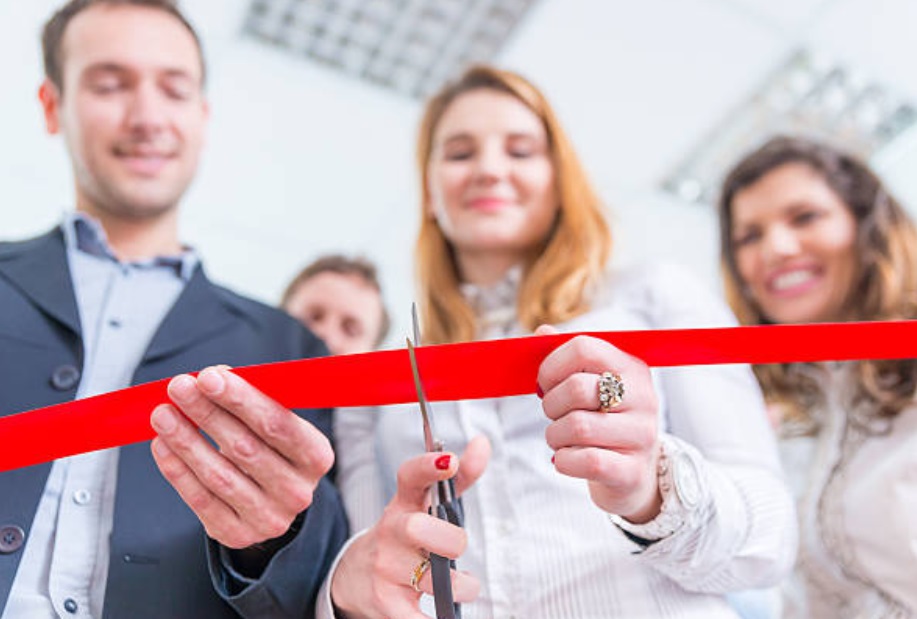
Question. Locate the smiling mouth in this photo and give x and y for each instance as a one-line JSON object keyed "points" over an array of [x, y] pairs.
{"points": [[793, 281], [144, 163], [487, 204]]}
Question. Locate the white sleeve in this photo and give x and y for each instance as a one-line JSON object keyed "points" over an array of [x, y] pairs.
{"points": [[358, 482], [358, 475], [743, 533]]}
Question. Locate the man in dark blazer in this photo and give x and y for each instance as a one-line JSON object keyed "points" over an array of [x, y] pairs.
{"points": [[240, 522]]}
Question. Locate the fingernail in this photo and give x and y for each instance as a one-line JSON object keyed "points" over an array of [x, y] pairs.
{"points": [[443, 462], [538, 391], [162, 420], [211, 381], [161, 449], [181, 387], [552, 458]]}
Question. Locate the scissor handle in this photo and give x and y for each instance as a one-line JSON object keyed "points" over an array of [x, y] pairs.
{"points": [[451, 510], [455, 511], [441, 572]]}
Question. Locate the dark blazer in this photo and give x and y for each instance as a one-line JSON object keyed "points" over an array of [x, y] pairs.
{"points": [[161, 560]]}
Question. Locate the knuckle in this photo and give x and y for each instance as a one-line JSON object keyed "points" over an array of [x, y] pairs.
{"points": [[199, 500], [273, 424], [245, 448], [274, 525], [218, 481], [171, 468], [645, 434], [550, 436], [582, 389], [580, 428], [461, 542], [301, 496], [232, 397], [629, 478], [323, 457], [414, 527], [594, 464], [404, 475]]}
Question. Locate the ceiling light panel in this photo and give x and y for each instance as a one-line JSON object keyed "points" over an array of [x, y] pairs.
{"points": [[807, 95], [411, 46]]}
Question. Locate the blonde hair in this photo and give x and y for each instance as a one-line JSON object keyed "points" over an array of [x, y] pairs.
{"points": [[885, 286], [555, 285]]}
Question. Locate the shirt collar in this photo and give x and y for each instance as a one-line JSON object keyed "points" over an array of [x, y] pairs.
{"points": [[495, 305], [85, 234]]}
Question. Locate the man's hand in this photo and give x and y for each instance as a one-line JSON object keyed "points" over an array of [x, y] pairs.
{"points": [[265, 467]]}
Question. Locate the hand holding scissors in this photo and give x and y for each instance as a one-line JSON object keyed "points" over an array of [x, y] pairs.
{"points": [[409, 550], [444, 503]]}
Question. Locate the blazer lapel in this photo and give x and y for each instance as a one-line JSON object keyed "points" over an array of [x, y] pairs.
{"points": [[199, 314], [39, 268]]}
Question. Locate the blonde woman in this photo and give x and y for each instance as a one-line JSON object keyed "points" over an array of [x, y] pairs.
{"points": [[655, 506]]}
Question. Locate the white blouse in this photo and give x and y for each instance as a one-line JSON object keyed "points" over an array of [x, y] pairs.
{"points": [[540, 547], [858, 511]]}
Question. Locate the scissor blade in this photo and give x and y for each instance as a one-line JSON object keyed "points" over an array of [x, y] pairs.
{"points": [[416, 324], [429, 443]]}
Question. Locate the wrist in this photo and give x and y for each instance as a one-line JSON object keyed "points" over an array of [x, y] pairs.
{"points": [[679, 492]]}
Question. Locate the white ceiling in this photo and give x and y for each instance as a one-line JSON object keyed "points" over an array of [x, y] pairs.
{"points": [[302, 160], [653, 76]]}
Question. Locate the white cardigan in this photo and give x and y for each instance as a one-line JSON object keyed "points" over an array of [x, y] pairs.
{"points": [[541, 548], [858, 511]]}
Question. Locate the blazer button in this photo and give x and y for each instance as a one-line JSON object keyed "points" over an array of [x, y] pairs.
{"points": [[11, 538], [65, 377]]}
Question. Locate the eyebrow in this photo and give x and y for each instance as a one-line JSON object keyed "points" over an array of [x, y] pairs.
{"points": [[513, 135], [114, 67]]}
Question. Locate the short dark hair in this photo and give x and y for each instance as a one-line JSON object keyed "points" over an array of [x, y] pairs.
{"points": [[52, 35], [342, 265]]}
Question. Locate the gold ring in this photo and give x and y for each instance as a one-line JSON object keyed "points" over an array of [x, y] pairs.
{"points": [[417, 573], [611, 391]]}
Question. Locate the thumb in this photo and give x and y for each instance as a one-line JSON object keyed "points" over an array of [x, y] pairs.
{"points": [[472, 463]]}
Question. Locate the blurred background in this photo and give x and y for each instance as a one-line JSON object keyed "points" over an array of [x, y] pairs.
{"points": [[315, 105]]}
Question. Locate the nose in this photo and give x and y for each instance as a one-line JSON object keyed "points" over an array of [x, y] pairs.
{"points": [[328, 334], [492, 165], [146, 112], [781, 242]]}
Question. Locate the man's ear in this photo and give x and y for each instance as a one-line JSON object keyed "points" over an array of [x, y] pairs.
{"points": [[49, 96]]}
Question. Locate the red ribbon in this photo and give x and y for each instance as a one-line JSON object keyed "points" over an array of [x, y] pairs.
{"points": [[450, 372]]}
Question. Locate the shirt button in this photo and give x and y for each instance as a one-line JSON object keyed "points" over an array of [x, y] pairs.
{"points": [[65, 377], [81, 497], [11, 538], [70, 606]]}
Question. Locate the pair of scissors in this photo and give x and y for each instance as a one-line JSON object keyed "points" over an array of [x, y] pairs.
{"points": [[444, 504]]}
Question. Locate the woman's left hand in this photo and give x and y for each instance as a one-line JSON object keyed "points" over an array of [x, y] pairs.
{"points": [[616, 450]]}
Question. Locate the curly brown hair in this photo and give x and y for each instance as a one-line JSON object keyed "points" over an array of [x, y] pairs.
{"points": [[885, 286]]}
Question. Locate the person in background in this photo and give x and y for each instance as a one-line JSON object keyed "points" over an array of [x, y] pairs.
{"points": [[810, 234], [245, 525], [617, 491], [340, 300]]}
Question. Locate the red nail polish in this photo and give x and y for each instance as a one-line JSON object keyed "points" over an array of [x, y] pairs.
{"points": [[538, 391], [443, 462], [552, 458]]}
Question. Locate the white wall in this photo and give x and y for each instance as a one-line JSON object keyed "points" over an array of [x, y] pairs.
{"points": [[301, 161]]}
